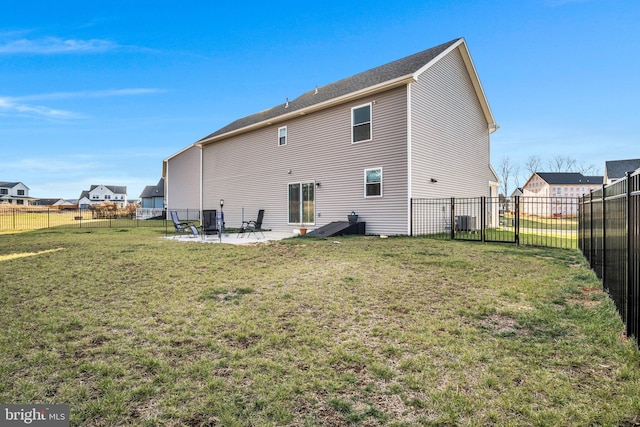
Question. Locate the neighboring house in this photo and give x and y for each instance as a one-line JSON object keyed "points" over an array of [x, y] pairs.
{"points": [[616, 169], [555, 188], [152, 197], [103, 193], [418, 127], [516, 192], [15, 193]]}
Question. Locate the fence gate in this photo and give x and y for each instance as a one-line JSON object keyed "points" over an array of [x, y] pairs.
{"points": [[539, 221]]}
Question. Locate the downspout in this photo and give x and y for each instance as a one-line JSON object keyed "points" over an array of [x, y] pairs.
{"points": [[409, 175], [201, 179]]}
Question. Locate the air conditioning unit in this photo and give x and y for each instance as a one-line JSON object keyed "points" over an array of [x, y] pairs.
{"points": [[465, 223]]}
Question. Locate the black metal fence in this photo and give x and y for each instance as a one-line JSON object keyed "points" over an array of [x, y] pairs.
{"points": [[31, 218], [609, 237], [538, 221]]}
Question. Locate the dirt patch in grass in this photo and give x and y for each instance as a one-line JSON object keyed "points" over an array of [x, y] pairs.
{"points": [[503, 325]]}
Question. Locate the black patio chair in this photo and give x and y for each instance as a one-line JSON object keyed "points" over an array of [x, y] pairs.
{"points": [[209, 224], [249, 227], [182, 227]]}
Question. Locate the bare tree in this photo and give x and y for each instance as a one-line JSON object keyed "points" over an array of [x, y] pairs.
{"points": [[586, 169], [516, 174], [506, 170], [533, 164], [562, 164]]}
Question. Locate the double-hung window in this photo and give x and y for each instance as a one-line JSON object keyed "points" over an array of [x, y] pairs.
{"points": [[373, 182], [361, 123], [282, 135]]}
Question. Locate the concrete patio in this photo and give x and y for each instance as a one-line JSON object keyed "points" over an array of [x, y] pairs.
{"points": [[232, 238]]}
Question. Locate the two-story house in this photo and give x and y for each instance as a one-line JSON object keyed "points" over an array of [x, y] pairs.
{"points": [[14, 193], [547, 192], [103, 193], [418, 127]]}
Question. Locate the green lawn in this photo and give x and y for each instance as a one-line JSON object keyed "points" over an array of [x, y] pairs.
{"points": [[131, 329]]}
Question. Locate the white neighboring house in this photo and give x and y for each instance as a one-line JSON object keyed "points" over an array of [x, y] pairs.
{"points": [[14, 193], [553, 189], [103, 193]]}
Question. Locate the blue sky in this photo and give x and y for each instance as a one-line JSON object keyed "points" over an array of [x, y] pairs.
{"points": [[101, 92]]}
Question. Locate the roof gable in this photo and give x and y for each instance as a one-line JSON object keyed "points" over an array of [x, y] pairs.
{"points": [[615, 169], [392, 74], [153, 190]]}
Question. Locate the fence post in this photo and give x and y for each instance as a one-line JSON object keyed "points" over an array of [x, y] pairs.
{"points": [[483, 215], [516, 224], [452, 220], [410, 216], [604, 234], [631, 304], [591, 231]]}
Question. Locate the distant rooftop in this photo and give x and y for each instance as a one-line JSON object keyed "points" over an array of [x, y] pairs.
{"points": [[560, 178]]}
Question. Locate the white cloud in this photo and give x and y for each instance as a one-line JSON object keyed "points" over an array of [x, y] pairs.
{"points": [[22, 106], [9, 106], [90, 94], [56, 45]]}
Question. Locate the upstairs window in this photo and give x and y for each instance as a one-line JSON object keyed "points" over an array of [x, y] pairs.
{"points": [[20, 192], [373, 182], [4, 191], [282, 135], [361, 123]]}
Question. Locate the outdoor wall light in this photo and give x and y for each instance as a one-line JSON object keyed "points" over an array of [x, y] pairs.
{"points": [[434, 180], [317, 183], [221, 203]]}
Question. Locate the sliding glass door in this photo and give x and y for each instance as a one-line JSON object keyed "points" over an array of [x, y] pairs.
{"points": [[302, 203]]}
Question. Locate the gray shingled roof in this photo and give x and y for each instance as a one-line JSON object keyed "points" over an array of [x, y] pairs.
{"points": [[384, 73], [569, 178], [118, 189], [153, 190], [618, 168], [5, 184]]}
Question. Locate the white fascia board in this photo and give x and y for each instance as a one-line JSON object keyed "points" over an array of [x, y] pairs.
{"points": [[180, 152], [381, 87], [495, 175]]}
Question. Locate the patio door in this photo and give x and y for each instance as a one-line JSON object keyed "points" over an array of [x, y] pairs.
{"points": [[302, 203]]}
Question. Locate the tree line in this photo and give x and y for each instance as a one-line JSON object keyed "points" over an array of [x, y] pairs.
{"points": [[510, 172]]}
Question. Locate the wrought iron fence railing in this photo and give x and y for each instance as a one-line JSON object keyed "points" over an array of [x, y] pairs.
{"points": [[539, 221], [609, 238]]}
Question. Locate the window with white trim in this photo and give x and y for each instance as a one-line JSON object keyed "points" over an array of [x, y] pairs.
{"points": [[302, 203], [361, 123], [373, 182], [282, 135]]}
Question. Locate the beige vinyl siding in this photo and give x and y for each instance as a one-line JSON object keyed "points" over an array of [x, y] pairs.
{"points": [[183, 178], [251, 171], [450, 137]]}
